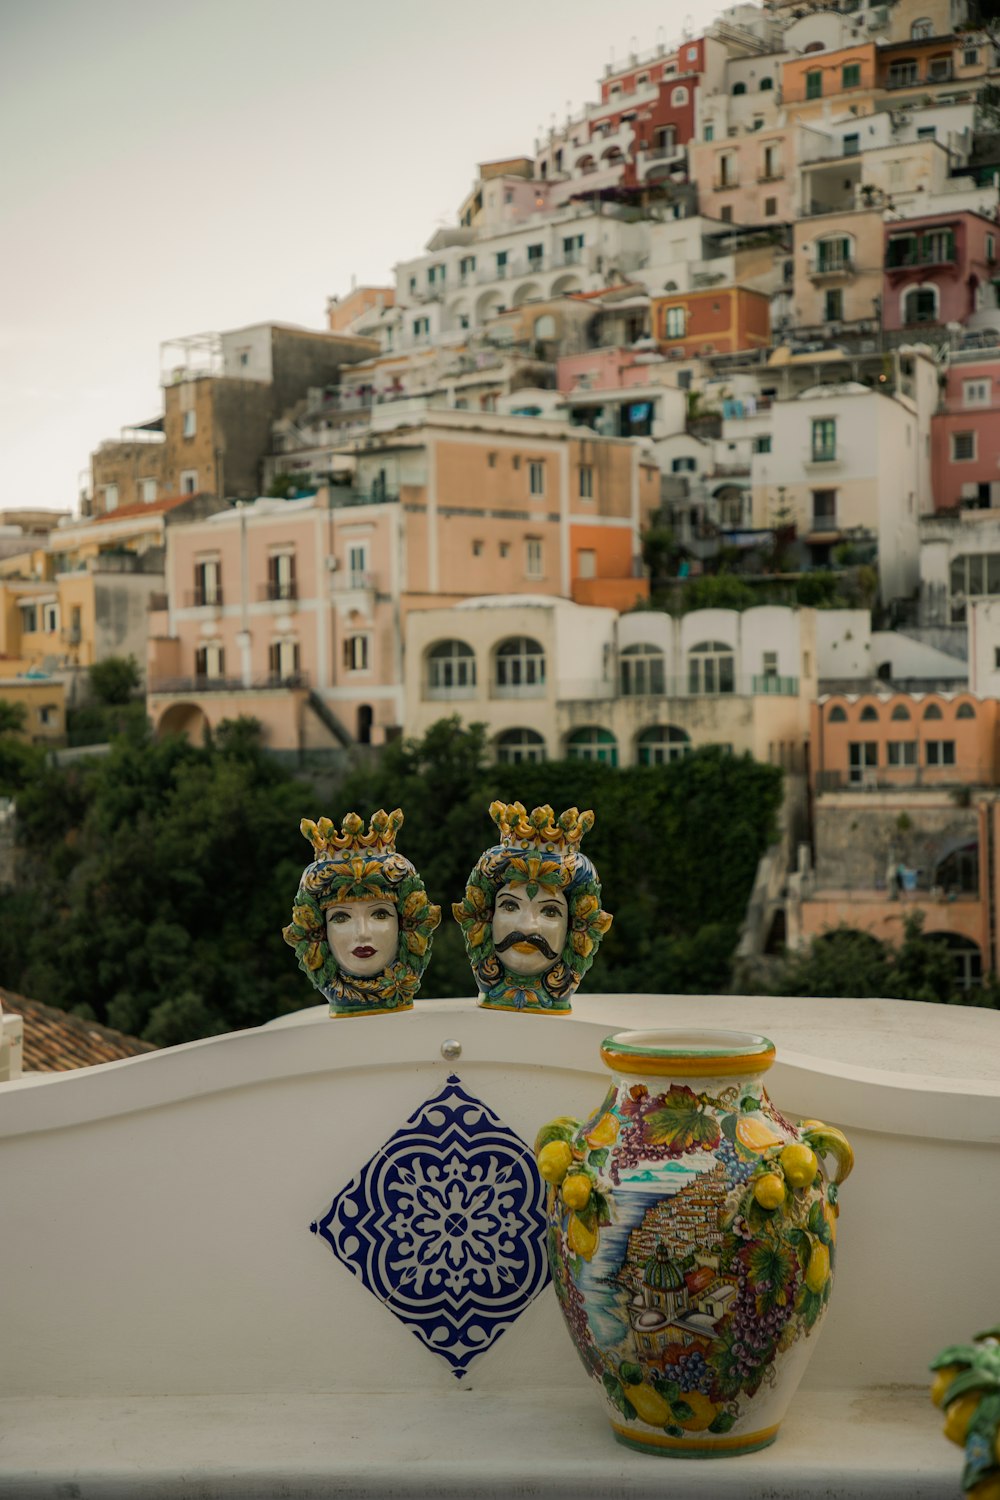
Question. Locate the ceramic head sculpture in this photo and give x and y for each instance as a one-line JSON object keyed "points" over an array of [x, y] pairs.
{"points": [[362, 925], [531, 916]]}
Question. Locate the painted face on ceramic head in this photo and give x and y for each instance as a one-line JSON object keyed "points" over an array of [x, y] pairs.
{"points": [[363, 936], [529, 933]]}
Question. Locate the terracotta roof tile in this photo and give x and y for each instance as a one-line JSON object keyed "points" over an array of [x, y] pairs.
{"points": [[55, 1041], [148, 507]]}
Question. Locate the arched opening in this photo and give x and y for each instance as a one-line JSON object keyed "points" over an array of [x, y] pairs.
{"points": [[545, 327], [586, 165], [450, 670], [711, 668], [957, 868], [765, 84], [530, 291], [739, 88], [564, 285], [933, 711], [662, 743], [869, 714], [365, 717], [516, 745], [489, 305], [185, 719], [920, 305], [519, 668], [837, 715], [642, 670], [592, 743]]}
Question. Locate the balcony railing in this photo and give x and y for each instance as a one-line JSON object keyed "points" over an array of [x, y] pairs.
{"points": [[201, 683], [814, 455], [783, 687], [840, 266], [204, 598], [279, 588], [825, 523]]}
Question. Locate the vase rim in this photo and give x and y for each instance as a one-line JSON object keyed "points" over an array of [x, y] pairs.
{"points": [[691, 1051]]}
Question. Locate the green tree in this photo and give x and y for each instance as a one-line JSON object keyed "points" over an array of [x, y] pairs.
{"points": [[13, 717], [115, 680], [718, 591]]}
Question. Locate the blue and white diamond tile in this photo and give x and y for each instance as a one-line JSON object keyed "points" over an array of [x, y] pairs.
{"points": [[445, 1225]]}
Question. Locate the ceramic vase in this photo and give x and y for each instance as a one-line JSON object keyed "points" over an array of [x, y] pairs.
{"points": [[692, 1232]]}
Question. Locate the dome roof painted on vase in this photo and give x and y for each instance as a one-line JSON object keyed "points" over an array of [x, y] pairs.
{"points": [[662, 1273]]}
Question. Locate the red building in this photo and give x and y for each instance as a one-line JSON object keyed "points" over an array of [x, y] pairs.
{"points": [[939, 269], [965, 433]]}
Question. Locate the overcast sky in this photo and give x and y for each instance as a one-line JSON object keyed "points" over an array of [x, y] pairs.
{"points": [[169, 168]]}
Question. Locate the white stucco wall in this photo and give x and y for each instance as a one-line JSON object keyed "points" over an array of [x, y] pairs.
{"points": [[843, 643]]}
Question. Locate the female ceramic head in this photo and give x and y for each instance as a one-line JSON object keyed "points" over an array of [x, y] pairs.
{"points": [[362, 925], [531, 916]]}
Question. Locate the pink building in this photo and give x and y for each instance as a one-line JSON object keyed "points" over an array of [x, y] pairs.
{"points": [[965, 434], [938, 269]]}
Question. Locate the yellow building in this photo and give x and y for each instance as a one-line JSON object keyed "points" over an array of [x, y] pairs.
{"points": [[43, 699]]}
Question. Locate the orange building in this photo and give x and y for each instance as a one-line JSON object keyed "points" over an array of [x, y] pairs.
{"points": [[888, 740], [816, 76], [718, 321]]}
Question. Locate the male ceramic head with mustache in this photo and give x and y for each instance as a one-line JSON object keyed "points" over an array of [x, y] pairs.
{"points": [[531, 916]]}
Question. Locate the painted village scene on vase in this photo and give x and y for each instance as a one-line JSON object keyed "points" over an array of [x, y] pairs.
{"points": [[692, 1234]]}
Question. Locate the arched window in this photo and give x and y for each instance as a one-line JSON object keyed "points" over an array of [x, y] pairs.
{"points": [[920, 304], [868, 713], [519, 668], [711, 668], [451, 670], [662, 743], [586, 164], [642, 671], [901, 711], [545, 327], [966, 957], [517, 745], [765, 84], [957, 868], [933, 711], [922, 29], [965, 711], [837, 715], [679, 95], [739, 88], [593, 744]]}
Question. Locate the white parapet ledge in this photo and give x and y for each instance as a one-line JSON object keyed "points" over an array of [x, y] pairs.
{"points": [[173, 1329]]}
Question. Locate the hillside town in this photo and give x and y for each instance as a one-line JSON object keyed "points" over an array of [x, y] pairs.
{"points": [[684, 432]]}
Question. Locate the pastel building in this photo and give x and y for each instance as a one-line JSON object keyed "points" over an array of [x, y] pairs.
{"points": [[293, 611], [965, 433], [552, 680], [939, 269], [718, 320], [837, 270]]}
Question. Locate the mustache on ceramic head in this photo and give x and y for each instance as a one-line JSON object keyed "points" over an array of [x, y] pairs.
{"points": [[534, 938]]}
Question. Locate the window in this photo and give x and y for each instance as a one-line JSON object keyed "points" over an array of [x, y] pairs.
{"points": [[933, 711], [965, 711], [852, 144], [862, 757], [356, 652], [147, 491], [466, 267], [50, 618], [762, 444], [991, 248], [869, 714], [975, 393], [728, 175], [937, 247], [642, 671], [920, 305], [207, 581], [586, 481], [679, 95], [421, 329], [814, 85], [593, 744], [824, 509], [515, 746], [711, 668], [900, 712], [837, 715], [963, 447], [357, 565], [926, 132], [850, 76], [739, 88], [190, 423], [683, 466], [477, 549], [903, 73], [833, 305], [726, 213], [572, 249], [586, 562], [676, 322], [210, 662], [545, 327], [824, 439], [770, 663], [939, 752], [902, 752], [661, 744], [29, 618], [709, 133], [491, 460], [451, 670], [519, 668], [536, 477], [110, 497], [921, 29], [283, 660], [505, 549], [281, 575], [189, 481], [833, 254], [970, 56], [48, 714], [534, 561]]}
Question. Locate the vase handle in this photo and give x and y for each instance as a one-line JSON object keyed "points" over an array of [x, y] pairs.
{"points": [[827, 1140]]}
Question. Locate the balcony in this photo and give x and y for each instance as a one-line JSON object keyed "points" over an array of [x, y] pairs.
{"points": [[204, 597], [831, 271], [824, 525], [201, 683], [279, 589], [825, 458], [781, 687]]}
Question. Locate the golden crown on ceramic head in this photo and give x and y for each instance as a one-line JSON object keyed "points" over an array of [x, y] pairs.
{"points": [[352, 839], [540, 828]]}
